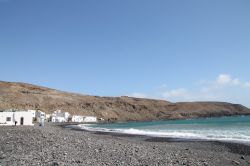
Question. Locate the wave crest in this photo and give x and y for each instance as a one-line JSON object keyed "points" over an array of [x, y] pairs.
{"points": [[229, 136]]}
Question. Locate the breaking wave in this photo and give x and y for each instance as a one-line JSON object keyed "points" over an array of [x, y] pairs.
{"points": [[229, 129], [228, 136]]}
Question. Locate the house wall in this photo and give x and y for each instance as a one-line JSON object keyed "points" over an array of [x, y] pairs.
{"points": [[58, 119], [16, 116], [59, 116], [3, 118], [33, 113], [77, 119], [90, 119], [27, 116]]}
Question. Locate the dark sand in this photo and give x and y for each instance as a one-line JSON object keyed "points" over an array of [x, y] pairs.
{"points": [[54, 145]]}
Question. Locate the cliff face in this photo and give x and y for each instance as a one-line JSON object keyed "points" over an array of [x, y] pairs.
{"points": [[27, 96]]}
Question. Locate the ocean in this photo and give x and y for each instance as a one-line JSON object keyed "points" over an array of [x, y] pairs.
{"points": [[229, 129]]}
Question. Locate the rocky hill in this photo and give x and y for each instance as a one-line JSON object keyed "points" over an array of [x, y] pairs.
{"points": [[27, 96]]}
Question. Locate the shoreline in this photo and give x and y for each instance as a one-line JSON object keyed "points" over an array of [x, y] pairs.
{"points": [[194, 118], [54, 144], [235, 147]]}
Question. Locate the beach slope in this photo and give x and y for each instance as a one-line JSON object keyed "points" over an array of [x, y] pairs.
{"points": [[54, 145]]}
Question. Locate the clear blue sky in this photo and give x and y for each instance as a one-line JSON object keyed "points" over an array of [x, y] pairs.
{"points": [[172, 49]]}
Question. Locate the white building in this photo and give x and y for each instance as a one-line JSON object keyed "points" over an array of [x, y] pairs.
{"points": [[79, 118], [33, 113], [40, 116], [20, 117], [90, 119], [59, 116]]}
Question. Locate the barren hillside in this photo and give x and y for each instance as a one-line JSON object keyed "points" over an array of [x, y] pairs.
{"points": [[27, 96]]}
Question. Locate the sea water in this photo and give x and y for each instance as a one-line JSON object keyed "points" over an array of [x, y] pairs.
{"points": [[232, 129]]}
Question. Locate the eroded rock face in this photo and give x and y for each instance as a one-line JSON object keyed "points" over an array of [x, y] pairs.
{"points": [[27, 96]]}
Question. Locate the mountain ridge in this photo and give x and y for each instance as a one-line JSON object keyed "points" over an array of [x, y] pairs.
{"points": [[27, 96]]}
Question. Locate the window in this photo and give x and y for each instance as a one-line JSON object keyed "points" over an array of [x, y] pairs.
{"points": [[8, 119]]}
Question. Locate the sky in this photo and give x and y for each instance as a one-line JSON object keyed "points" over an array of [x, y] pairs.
{"points": [[176, 50]]}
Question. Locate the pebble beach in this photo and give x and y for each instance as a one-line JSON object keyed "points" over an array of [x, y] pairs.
{"points": [[54, 145]]}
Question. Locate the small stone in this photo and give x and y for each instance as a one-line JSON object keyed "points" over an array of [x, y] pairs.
{"points": [[1, 157], [236, 162], [205, 163], [55, 164], [242, 157]]}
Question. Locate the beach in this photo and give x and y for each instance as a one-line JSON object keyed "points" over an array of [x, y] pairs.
{"points": [[56, 145]]}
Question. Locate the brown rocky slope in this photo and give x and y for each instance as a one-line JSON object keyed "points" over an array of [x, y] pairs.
{"points": [[27, 96]]}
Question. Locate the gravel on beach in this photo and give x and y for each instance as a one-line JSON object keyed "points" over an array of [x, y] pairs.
{"points": [[57, 146]]}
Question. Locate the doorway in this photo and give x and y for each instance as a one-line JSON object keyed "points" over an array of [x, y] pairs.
{"points": [[21, 121]]}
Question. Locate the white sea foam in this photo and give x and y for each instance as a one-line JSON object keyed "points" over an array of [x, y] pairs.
{"points": [[216, 135]]}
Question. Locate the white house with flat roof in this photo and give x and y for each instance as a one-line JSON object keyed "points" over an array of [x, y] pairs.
{"points": [[79, 118], [90, 119], [33, 113], [40, 116], [16, 118], [59, 116]]}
